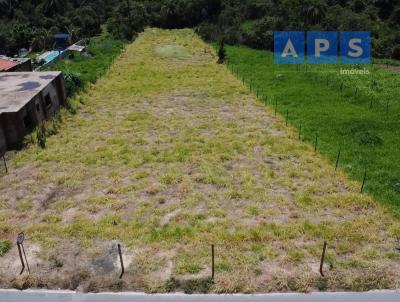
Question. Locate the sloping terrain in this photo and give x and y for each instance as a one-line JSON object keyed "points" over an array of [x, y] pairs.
{"points": [[168, 154]]}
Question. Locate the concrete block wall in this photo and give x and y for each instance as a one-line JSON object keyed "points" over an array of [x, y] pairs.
{"points": [[3, 141], [14, 129], [14, 126], [50, 94]]}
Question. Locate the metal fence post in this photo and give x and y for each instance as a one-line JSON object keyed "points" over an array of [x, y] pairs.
{"points": [[5, 163], [121, 260]]}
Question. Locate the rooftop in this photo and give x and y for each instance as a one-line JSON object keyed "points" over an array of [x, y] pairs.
{"points": [[7, 63], [18, 88], [62, 37]]}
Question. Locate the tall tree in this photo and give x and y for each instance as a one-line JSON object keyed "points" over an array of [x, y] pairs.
{"points": [[7, 6], [53, 6], [313, 12]]}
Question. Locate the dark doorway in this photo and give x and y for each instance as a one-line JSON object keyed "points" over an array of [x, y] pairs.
{"points": [[47, 101], [28, 123]]}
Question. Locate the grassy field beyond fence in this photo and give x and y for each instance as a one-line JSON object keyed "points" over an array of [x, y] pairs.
{"points": [[356, 115]]}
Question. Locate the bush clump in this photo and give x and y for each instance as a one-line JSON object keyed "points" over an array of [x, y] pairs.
{"points": [[369, 138], [41, 135], [221, 52], [5, 246], [73, 83]]}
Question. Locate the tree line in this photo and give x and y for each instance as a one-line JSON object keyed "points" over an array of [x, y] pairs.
{"points": [[31, 23]]}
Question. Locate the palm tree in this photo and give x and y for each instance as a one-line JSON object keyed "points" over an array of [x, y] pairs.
{"points": [[41, 40], [395, 16], [7, 6], [53, 6], [313, 12], [73, 32]]}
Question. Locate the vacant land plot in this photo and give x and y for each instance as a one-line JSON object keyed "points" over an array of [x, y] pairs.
{"points": [[168, 154], [356, 114]]}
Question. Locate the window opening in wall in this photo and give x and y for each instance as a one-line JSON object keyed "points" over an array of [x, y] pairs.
{"points": [[28, 121], [47, 101]]}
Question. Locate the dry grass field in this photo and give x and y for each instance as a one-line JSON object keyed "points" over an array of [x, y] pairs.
{"points": [[169, 153]]}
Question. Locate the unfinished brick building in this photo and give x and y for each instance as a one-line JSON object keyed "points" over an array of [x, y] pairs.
{"points": [[26, 99]]}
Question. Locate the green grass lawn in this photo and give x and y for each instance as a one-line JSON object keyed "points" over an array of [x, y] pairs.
{"points": [[357, 114]]}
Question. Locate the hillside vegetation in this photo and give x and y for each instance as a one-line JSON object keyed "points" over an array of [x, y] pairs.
{"points": [[25, 23], [169, 153]]}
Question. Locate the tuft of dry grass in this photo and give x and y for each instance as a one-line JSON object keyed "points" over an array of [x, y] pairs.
{"points": [[169, 154]]}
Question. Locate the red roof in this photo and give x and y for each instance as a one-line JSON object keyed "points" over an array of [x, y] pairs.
{"points": [[6, 64]]}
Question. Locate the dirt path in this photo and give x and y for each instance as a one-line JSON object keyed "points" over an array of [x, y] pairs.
{"points": [[169, 154]]}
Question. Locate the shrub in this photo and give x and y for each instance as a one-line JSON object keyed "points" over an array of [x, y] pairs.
{"points": [[259, 34], [56, 261], [395, 184], [37, 64], [368, 138], [73, 82], [128, 19], [41, 135], [5, 246], [54, 125], [396, 52], [221, 52]]}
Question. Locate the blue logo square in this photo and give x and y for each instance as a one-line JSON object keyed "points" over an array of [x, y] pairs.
{"points": [[289, 47], [355, 47], [322, 47]]}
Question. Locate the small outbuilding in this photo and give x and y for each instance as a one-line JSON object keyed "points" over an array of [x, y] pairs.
{"points": [[15, 64], [62, 41], [26, 99]]}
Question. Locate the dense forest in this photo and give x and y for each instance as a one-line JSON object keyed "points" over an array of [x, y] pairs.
{"points": [[31, 23]]}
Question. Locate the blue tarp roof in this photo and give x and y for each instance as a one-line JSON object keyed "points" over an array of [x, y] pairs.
{"points": [[61, 36]]}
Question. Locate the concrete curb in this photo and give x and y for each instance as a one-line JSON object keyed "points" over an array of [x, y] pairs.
{"points": [[71, 296]]}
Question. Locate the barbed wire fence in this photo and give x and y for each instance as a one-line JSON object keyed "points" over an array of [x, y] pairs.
{"points": [[346, 91]]}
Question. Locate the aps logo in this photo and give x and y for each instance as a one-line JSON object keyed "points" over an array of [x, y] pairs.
{"points": [[322, 47]]}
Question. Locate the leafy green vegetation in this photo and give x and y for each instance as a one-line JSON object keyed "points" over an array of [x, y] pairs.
{"points": [[81, 69], [221, 52], [5, 246], [32, 24], [249, 22], [356, 114]]}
